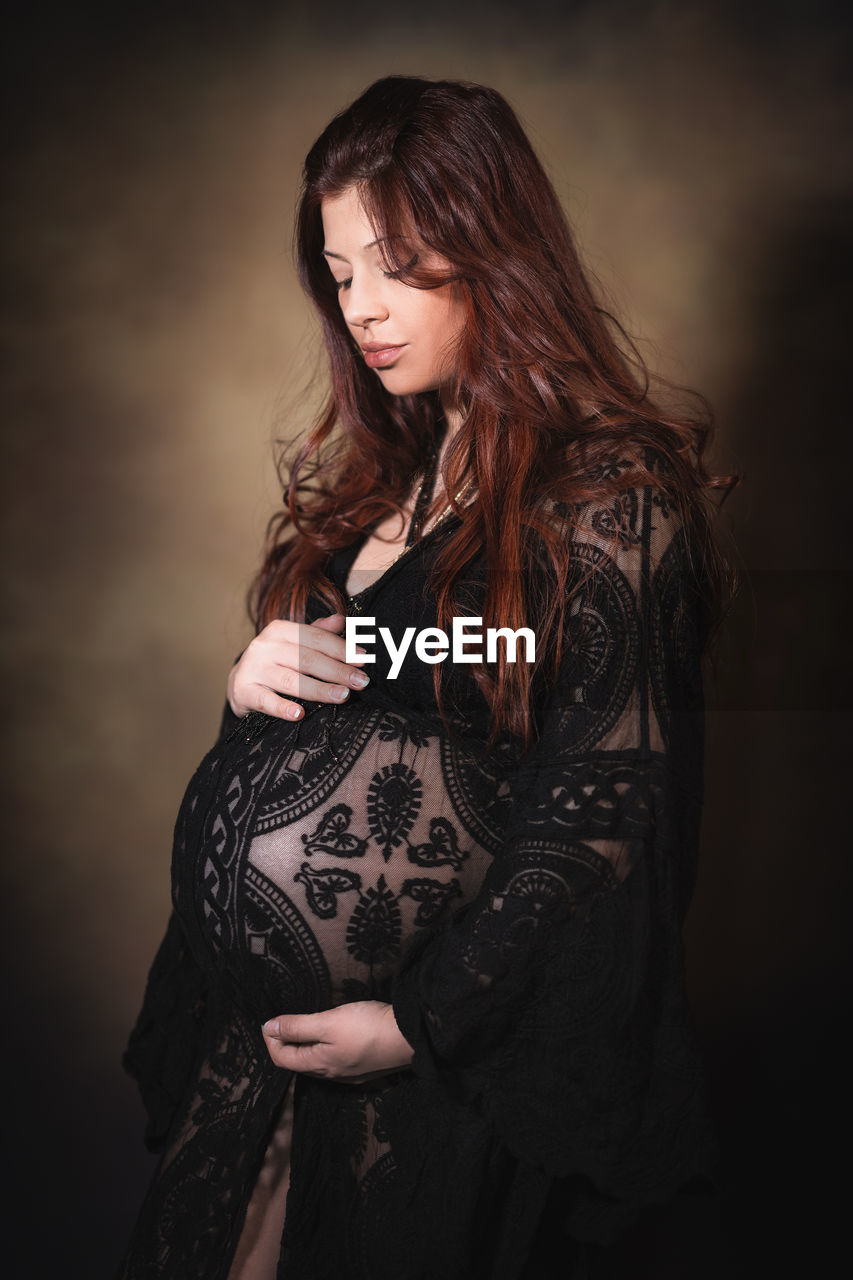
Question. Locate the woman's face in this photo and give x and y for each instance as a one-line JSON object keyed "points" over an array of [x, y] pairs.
{"points": [[408, 336]]}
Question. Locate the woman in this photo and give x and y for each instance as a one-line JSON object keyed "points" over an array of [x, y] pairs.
{"points": [[419, 1011]]}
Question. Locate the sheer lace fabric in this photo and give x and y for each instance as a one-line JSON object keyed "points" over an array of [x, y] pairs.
{"points": [[522, 912], [260, 1237]]}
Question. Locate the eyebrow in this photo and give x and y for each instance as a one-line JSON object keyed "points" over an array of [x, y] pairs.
{"points": [[327, 253]]}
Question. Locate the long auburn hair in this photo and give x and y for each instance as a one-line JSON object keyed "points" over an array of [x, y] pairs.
{"points": [[549, 399]]}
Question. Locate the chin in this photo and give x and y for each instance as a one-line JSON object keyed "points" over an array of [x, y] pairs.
{"points": [[399, 382], [403, 386]]}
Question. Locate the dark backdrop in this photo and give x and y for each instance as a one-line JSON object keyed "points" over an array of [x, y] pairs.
{"points": [[156, 344]]}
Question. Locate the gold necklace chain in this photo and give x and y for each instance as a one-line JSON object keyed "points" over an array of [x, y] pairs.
{"points": [[442, 515], [448, 510]]}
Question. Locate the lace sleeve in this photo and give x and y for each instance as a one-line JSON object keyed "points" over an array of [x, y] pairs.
{"points": [[554, 1002], [166, 1037], [164, 1042]]}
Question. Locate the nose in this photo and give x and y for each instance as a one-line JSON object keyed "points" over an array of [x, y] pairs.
{"points": [[363, 303]]}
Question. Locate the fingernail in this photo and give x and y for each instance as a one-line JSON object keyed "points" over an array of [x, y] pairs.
{"points": [[339, 694], [295, 713], [359, 679], [270, 1028]]}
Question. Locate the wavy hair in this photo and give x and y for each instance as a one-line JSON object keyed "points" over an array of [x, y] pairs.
{"points": [[551, 389]]}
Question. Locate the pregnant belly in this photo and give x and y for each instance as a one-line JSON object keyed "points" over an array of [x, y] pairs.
{"points": [[329, 848]]}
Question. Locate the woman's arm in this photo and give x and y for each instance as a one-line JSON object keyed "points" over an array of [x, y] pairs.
{"points": [[166, 1039], [554, 1001]]}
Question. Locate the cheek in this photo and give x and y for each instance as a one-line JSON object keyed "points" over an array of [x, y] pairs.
{"points": [[455, 312], [443, 321]]}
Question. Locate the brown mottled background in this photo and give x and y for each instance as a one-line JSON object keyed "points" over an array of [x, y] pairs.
{"points": [[156, 344]]}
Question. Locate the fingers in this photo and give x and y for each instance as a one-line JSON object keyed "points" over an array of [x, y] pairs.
{"points": [[313, 1060], [294, 660], [334, 622], [298, 1028], [351, 1042], [308, 650], [324, 682], [294, 1042], [268, 701], [322, 636], [315, 677], [297, 1057], [318, 646]]}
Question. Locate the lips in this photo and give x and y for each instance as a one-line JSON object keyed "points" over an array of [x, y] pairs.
{"points": [[378, 354]]}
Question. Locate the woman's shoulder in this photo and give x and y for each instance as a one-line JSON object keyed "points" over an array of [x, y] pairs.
{"points": [[627, 507]]}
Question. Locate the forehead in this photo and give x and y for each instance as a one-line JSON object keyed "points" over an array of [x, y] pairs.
{"points": [[345, 218], [348, 232]]}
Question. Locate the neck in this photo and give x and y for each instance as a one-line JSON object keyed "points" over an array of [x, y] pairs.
{"points": [[452, 415], [453, 418]]}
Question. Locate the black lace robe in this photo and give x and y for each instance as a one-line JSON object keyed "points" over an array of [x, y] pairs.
{"points": [[522, 912]]}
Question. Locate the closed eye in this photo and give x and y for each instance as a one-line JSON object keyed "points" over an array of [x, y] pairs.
{"points": [[395, 275], [341, 285]]}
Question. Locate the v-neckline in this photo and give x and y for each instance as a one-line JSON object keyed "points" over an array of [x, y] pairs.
{"points": [[355, 599]]}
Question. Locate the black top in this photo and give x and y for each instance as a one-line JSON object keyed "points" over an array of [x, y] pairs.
{"points": [[521, 910]]}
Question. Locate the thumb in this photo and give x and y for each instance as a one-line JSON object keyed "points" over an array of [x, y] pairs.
{"points": [[296, 1028]]}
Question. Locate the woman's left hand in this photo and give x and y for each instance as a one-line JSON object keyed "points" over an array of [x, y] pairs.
{"points": [[353, 1042]]}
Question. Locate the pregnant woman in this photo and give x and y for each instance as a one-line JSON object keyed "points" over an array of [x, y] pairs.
{"points": [[419, 1011]]}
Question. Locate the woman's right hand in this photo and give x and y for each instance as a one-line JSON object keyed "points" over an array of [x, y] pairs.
{"points": [[305, 660]]}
